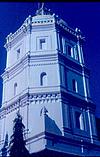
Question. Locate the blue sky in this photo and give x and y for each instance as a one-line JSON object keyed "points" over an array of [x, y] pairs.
{"points": [[84, 15]]}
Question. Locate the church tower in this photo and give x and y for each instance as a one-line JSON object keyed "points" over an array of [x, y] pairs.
{"points": [[46, 80]]}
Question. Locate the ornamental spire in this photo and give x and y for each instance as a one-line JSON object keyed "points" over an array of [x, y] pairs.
{"points": [[40, 5], [42, 10]]}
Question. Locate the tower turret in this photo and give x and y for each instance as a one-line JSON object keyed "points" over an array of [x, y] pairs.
{"points": [[47, 80]]}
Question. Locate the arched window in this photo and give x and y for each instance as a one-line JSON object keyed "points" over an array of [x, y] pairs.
{"points": [[43, 79], [79, 120], [18, 53], [15, 89], [76, 55], [74, 85]]}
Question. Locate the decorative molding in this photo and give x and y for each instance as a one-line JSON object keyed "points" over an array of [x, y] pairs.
{"points": [[30, 22], [65, 26], [2, 113], [45, 98], [17, 67], [29, 60], [41, 21], [27, 99], [43, 111], [26, 27]]}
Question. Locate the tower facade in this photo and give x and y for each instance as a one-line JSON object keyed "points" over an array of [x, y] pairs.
{"points": [[46, 80]]}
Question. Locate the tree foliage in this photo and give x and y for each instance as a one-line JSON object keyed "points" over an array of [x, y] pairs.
{"points": [[4, 149], [17, 144]]}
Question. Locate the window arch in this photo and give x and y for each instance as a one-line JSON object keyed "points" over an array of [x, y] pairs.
{"points": [[15, 89], [43, 79], [18, 53], [76, 53], [79, 120], [74, 85]]}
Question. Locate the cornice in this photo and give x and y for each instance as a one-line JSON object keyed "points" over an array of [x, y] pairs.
{"points": [[62, 24], [24, 29], [73, 65], [78, 100], [19, 65], [50, 19], [28, 98], [45, 20], [29, 60], [2, 112], [45, 97], [44, 57]]}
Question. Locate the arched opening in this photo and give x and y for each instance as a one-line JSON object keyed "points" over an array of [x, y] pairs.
{"points": [[74, 85], [43, 79], [79, 120], [18, 53], [15, 89]]}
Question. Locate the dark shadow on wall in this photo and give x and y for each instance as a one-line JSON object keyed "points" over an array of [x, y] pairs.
{"points": [[51, 126]]}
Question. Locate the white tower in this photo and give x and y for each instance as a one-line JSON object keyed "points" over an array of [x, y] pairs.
{"points": [[46, 79]]}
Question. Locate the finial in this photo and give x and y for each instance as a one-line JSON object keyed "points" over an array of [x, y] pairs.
{"points": [[40, 5], [43, 111], [40, 10]]}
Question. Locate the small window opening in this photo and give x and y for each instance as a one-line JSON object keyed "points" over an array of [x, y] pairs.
{"points": [[76, 55], [18, 53], [43, 79], [69, 50], [42, 44], [79, 120], [15, 89], [74, 86]]}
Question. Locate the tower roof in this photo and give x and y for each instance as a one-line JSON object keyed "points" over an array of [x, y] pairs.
{"points": [[44, 16]]}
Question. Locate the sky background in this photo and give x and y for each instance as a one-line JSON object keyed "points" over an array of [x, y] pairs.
{"points": [[84, 15]]}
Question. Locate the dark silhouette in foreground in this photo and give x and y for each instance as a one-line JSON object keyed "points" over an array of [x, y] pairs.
{"points": [[4, 149], [17, 144]]}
